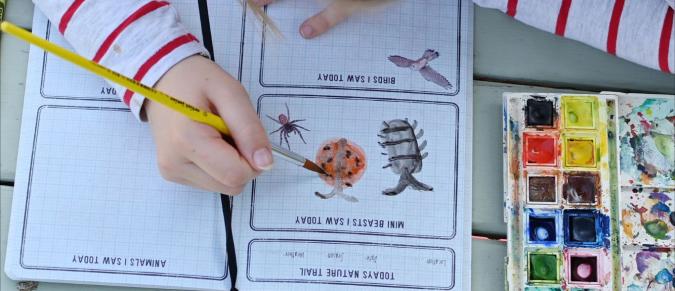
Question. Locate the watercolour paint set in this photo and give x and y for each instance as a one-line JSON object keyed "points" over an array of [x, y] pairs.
{"points": [[589, 190]]}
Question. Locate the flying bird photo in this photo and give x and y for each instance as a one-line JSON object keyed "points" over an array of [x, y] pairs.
{"points": [[422, 65]]}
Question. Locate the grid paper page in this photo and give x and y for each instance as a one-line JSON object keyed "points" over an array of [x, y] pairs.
{"points": [[343, 85], [355, 54], [288, 191], [227, 31], [89, 203]]}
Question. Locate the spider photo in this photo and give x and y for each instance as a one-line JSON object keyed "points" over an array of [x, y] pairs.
{"points": [[287, 127]]}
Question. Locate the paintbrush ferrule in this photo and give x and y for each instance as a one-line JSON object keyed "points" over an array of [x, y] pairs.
{"points": [[288, 155]]}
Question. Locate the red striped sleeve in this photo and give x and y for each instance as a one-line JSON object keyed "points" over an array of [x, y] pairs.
{"points": [[664, 43], [614, 26], [142, 11], [564, 12], [68, 15], [511, 7], [163, 51]]}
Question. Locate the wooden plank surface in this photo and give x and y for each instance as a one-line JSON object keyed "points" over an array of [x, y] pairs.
{"points": [[487, 265], [20, 12], [13, 60], [506, 50], [5, 207]]}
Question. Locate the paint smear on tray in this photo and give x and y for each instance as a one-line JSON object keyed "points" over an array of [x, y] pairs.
{"points": [[648, 217], [647, 141], [648, 269]]}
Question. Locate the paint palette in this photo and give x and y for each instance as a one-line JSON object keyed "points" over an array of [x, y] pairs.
{"points": [[559, 191], [589, 191], [646, 137]]}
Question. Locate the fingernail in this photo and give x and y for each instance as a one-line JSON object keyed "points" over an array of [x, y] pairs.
{"points": [[306, 31], [263, 159]]}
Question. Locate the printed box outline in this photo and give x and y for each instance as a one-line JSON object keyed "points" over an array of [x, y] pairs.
{"points": [[456, 168], [250, 244], [87, 270], [261, 76]]}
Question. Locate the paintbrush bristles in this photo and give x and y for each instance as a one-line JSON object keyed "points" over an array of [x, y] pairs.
{"points": [[260, 14]]}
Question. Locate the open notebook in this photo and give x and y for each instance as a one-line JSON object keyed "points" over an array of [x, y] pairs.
{"points": [[90, 206]]}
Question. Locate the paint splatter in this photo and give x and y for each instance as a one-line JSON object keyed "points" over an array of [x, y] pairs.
{"points": [[645, 217], [647, 141], [648, 269]]}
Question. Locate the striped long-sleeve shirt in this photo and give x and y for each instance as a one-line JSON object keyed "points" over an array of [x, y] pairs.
{"points": [[640, 31], [141, 39]]}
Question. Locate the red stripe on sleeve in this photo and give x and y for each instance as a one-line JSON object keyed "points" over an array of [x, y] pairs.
{"points": [[664, 44], [65, 19], [564, 12], [614, 26], [142, 11], [165, 50], [511, 7]]}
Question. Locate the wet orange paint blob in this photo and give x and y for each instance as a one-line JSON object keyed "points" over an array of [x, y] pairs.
{"points": [[343, 160]]}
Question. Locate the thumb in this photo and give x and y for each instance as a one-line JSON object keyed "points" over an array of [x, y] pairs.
{"points": [[233, 105]]}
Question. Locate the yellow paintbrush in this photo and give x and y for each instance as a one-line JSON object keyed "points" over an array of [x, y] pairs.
{"points": [[188, 110]]}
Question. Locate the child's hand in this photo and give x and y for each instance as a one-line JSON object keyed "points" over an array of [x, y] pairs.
{"points": [[332, 15], [195, 154]]}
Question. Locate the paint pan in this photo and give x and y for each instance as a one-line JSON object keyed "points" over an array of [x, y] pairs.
{"points": [[539, 112], [542, 189], [580, 151], [543, 227], [582, 228], [585, 268], [540, 150], [579, 112], [543, 267], [581, 187], [560, 192]]}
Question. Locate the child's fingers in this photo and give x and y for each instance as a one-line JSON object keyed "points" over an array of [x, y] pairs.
{"points": [[335, 13], [197, 177], [221, 161], [263, 2], [233, 105]]}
